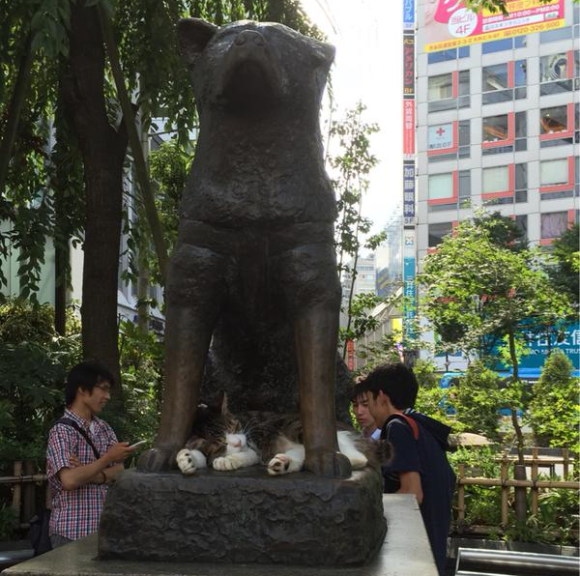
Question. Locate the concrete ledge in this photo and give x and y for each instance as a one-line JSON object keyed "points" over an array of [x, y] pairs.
{"points": [[405, 552]]}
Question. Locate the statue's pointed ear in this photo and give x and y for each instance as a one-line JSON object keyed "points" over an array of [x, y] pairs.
{"points": [[220, 402], [324, 54], [224, 403], [193, 34]]}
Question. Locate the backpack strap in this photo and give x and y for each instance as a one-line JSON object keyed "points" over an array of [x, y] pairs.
{"points": [[73, 424], [410, 421]]}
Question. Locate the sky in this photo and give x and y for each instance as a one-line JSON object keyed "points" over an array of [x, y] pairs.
{"points": [[368, 67]]}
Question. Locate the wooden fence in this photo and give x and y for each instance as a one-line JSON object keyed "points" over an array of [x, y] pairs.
{"points": [[534, 462], [25, 483]]}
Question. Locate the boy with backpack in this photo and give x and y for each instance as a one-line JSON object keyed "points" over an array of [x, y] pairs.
{"points": [[419, 465]]}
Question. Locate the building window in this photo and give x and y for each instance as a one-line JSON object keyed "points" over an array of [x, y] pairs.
{"points": [[495, 179], [499, 81], [522, 223], [556, 73], [495, 128], [558, 178], [553, 225], [495, 84], [554, 172], [437, 232], [501, 133], [556, 125], [440, 87], [448, 91], [555, 35], [521, 182], [447, 55], [464, 185], [497, 46], [441, 186], [447, 141]]}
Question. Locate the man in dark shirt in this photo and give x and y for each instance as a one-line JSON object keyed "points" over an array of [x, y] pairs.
{"points": [[419, 465]]}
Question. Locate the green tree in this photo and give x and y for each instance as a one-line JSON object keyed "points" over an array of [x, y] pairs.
{"points": [[554, 408], [564, 270], [350, 168], [33, 364], [69, 75], [495, 295], [476, 399]]}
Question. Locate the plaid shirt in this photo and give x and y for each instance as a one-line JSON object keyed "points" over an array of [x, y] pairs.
{"points": [[76, 513]]}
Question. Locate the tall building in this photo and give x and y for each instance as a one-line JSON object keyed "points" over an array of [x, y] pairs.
{"points": [[490, 119], [497, 117], [389, 274]]}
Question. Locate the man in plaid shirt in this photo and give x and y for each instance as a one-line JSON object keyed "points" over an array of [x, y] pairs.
{"points": [[78, 479]]}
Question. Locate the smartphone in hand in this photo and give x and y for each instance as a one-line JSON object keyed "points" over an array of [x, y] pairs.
{"points": [[137, 443]]}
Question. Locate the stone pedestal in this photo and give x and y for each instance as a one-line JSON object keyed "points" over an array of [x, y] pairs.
{"points": [[244, 517]]}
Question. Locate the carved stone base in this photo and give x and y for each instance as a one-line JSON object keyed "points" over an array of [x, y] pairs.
{"points": [[244, 517]]}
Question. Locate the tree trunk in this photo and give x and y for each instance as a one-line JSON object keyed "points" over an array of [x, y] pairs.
{"points": [[14, 110], [514, 415], [103, 151]]}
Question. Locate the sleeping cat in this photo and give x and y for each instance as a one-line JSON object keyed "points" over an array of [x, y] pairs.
{"points": [[223, 441]]}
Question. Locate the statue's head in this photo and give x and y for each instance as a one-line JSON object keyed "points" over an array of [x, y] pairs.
{"points": [[249, 65]]}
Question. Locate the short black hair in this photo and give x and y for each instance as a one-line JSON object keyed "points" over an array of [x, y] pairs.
{"points": [[86, 375], [397, 381], [355, 391]]}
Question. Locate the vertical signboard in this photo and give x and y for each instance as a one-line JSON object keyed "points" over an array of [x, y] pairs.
{"points": [[409, 288], [408, 64], [409, 129], [409, 173], [409, 15], [408, 193]]}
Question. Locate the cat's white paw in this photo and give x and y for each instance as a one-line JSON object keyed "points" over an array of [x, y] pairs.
{"points": [[185, 462], [280, 464], [190, 460], [225, 463]]}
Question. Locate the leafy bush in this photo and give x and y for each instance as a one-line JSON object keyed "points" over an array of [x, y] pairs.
{"points": [[141, 374], [8, 522], [554, 409], [482, 503], [21, 321], [476, 399], [32, 373]]}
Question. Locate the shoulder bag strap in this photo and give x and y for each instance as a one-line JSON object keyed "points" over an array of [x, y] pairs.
{"points": [[73, 424], [411, 422]]}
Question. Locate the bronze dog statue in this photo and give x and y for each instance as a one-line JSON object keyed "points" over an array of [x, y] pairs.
{"points": [[256, 224]]}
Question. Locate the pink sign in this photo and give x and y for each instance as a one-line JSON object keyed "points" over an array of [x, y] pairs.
{"points": [[449, 24], [408, 129]]}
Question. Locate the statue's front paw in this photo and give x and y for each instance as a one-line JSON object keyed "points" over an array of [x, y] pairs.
{"points": [[156, 459], [329, 464]]}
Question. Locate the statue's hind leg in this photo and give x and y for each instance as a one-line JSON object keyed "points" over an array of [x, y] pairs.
{"points": [[312, 290], [193, 300]]}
